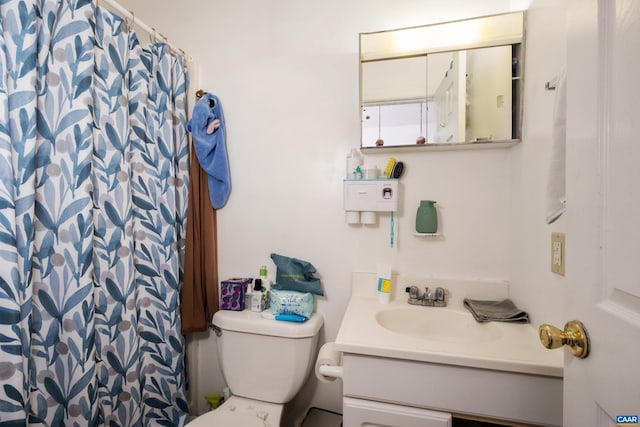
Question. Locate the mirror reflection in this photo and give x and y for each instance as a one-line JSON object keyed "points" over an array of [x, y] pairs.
{"points": [[444, 95]]}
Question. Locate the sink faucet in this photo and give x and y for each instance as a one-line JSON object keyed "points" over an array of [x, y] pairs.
{"points": [[429, 298]]}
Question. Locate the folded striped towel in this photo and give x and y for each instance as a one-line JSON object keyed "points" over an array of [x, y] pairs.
{"points": [[499, 311]]}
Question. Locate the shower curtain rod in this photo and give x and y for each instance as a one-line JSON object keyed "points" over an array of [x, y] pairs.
{"points": [[150, 30]]}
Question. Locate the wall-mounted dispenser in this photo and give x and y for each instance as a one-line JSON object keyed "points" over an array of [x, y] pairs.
{"points": [[364, 198], [427, 217]]}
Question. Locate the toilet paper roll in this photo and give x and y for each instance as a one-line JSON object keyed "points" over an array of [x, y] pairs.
{"points": [[328, 357], [353, 217]]}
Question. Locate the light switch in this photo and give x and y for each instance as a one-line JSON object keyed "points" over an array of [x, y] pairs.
{"points": [[557, 253]]}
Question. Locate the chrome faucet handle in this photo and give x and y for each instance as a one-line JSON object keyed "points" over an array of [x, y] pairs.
{"points": [[414, 294], [440, 300], [412, 291]]}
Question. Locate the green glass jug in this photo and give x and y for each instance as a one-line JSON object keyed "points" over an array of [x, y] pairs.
{"points": [[427, 217]]}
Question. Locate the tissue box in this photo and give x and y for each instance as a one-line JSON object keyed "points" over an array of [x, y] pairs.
{"points": [[232, 293]]}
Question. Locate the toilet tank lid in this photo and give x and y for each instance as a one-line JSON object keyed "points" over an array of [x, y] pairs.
{"points": [[264, 324]]}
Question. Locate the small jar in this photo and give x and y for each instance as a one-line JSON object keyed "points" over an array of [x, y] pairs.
{"points": [[370, 172], [427, 217]]}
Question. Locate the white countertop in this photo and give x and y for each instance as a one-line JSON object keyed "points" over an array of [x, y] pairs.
{"points": [[509, 347]]}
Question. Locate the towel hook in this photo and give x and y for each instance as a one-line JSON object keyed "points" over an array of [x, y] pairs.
{"points": [[200, 93], [551, 84]]}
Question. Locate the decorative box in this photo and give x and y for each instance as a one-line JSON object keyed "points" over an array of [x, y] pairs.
{"points": [[232, 293]]}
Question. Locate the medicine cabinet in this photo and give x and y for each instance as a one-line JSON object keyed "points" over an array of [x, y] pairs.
{"points": [[456, 84]]}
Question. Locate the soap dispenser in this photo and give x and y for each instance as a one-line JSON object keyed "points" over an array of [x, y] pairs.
{"points": [[257, 300], [427, 217]]}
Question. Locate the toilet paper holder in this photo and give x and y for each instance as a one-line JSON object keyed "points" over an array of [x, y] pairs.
{"points": [[329, 363], [330, 371]]}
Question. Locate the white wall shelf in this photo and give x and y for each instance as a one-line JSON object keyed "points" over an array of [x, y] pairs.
{"points": [[415, 233]]}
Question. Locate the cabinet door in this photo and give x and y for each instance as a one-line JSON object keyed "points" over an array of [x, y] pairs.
{"points": [[368, 413]]}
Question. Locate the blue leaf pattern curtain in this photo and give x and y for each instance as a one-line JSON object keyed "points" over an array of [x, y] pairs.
{"points": [[94, 168]]}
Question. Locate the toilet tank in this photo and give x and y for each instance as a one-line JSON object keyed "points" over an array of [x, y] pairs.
{"points": [[262, 358]]}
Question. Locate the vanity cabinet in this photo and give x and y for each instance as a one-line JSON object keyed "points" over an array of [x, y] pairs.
{"points": [[399, 359], [361, 413], [408, 387]]}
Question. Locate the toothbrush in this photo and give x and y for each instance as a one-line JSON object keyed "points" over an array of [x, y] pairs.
{"points": [[392, 231]]}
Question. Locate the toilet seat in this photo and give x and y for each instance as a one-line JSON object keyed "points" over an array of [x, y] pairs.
{"points": [[227, 418], [241, 412]]}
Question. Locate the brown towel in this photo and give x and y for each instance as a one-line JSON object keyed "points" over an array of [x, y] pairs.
{"points": [[499, 311], [200, 298]]}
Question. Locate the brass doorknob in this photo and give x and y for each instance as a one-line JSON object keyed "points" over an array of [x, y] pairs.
{"points": [[574, 336]]}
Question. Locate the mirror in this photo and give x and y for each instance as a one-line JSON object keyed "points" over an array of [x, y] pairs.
{"points": [[457, 83]]}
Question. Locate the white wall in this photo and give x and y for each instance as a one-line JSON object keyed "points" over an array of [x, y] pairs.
{"points": [[286, 72], [535, 288]]}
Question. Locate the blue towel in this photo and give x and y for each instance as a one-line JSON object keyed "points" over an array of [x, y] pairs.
{"points": [[207, 127]]}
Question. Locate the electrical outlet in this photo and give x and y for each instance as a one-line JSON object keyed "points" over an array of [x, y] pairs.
{"points": [[557, 253]]}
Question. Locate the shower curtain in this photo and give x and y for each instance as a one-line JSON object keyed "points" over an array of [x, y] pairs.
{"points": [[94, 167]]}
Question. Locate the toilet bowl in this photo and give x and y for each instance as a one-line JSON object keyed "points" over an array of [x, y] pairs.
{"points": [[264, 362]]}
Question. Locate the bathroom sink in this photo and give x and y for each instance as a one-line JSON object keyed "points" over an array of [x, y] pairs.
{"points": [[438, 324]]}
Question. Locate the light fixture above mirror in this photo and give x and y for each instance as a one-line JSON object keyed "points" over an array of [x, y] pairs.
{"points": [[453, 84]]}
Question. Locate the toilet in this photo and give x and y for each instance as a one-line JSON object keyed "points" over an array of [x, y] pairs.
{"points": [[264, 362]]}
